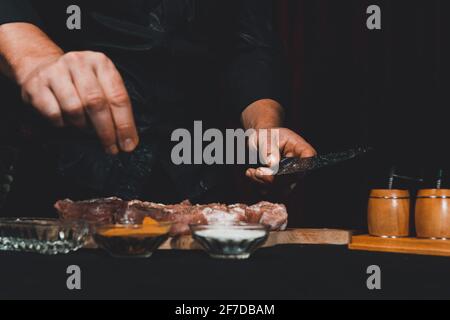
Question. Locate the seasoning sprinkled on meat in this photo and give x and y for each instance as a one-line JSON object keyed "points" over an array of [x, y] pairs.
{"points": [[115, 210]]}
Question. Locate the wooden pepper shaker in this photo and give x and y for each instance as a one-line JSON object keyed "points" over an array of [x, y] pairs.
{"points": [[389, 210], [433, 212], [389, 213]]}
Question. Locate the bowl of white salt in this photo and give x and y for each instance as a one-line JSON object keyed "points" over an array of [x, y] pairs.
{"points": [[230, 241]]}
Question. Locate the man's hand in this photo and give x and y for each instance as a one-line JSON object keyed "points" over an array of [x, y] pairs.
{"points": [[77, 88], [268, 114], [290, 145], [82, 88]]}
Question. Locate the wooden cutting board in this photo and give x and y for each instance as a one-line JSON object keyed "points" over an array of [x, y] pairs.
{"points": [[290, 236], [401, 245]]}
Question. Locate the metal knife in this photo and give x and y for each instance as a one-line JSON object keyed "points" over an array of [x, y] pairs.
{"points": [[304, 165]]}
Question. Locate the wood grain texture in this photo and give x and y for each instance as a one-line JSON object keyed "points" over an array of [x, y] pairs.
{"points": [[290, 236], [401, 245], [388, 213], [432, 214]]}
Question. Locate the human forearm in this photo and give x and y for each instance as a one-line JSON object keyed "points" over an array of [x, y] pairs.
{"points": [[76, 88], [23, 47]]}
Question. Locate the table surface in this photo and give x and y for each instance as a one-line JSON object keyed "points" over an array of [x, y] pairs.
{"points": [[283, 272]]}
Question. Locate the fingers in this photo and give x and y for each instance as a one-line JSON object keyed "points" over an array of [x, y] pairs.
{"points": [[269, 147], [260, 176], [60, 83], [304, 151], [119, 103], [272, 144], [267, 144], [81, 88], [251, 174], [263, 175], [96, 106], [45, 103]]}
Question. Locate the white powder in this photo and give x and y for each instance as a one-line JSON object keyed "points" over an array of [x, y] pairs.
{"points": [[218, 216], [230, 234]]}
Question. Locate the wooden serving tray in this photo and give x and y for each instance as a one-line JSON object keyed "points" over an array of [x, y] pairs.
{"points": [[401, 245], [290, 236]]}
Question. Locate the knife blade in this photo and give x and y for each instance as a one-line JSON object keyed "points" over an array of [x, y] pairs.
{"points": [[304, 165]]}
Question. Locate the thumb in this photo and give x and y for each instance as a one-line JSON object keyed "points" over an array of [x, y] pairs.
{"points": [[272, 158], [273, 163]]}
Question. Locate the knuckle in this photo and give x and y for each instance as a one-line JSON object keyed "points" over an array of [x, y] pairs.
{"points": [[36, 100], [98, 56], [38, 76], [73, 56], [125, 127], [119, 98], [73, 111], [95, 102], [53, 72], [53, 116], [311, 153]]}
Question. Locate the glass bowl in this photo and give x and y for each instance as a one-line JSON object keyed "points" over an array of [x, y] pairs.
{"points": [[131, 241], [44, 236], [230, 241]]}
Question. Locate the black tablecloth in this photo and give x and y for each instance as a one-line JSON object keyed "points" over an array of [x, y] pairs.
{"points": [[283, 272]]}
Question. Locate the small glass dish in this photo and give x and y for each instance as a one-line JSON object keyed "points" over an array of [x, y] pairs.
{"points": [[43, 236], [230, 241], [130, 240]]}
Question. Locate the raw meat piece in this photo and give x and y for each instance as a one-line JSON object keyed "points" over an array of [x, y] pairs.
{"points": [[97, 210], [115, 210], [273, 215]]}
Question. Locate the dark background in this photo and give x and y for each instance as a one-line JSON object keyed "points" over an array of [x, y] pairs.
{"points": [[351, 86], [384, 88]]}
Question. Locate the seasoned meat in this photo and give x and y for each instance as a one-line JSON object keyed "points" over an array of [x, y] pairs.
{"points": [[97, 210], [273, 215], [115, 210]]}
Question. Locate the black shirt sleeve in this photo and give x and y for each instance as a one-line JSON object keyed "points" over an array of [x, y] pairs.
{"points": [[257, 69], [18, 11]]}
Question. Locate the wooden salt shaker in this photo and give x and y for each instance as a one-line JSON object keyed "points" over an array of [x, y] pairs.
{"points": [[389, 213], [433, 214]]}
